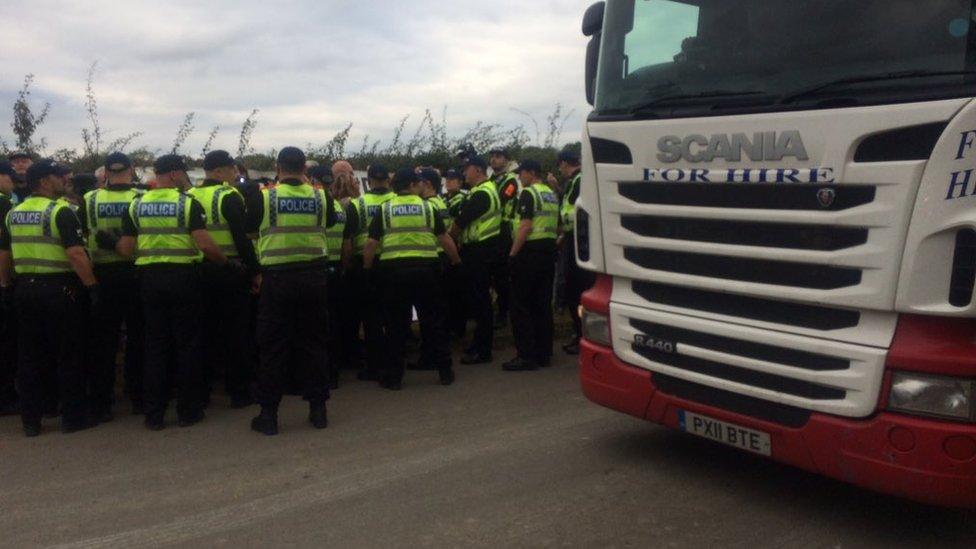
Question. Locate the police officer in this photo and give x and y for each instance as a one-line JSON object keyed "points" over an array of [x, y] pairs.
{"points": [[292, 218], [508, 190], [533, 260], [101, 213], [227, 288], [364, 287], [322, 178], [408, 232], [8, 339], [21, 161], [576, 280], [166, 230], [42, 242], [480, 224]]}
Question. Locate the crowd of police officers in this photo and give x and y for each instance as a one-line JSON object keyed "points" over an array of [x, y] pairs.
{"points": [[272, 287]]}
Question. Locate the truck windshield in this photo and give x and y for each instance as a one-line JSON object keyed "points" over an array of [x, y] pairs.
{"points": [[669, 58]]}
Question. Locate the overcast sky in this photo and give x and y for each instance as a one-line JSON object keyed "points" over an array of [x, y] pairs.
{"points": [[310, 66]]}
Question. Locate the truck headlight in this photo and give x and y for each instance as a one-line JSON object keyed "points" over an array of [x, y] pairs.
{"points": [[946, 397], [596, 327]]}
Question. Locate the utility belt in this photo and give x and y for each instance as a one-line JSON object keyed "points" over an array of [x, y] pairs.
{"points": [[56, 279]]}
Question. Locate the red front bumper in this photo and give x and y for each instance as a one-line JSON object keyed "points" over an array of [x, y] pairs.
{"points": [[925, 460]]}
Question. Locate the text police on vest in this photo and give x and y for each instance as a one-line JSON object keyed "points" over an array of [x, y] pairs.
{"points": [[157, 209], [297, 205], [112, 209], [25, 218], [407, 209]]}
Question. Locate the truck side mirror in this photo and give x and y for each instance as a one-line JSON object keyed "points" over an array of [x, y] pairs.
{"points": [[593, 28]]}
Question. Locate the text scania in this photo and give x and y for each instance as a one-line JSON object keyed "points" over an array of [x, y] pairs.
{"points": [[762, 146], [963, 183], [297, 205], [746, 175], [157, 209]]}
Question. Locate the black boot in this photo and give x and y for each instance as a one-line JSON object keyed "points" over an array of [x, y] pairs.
{"points": [[447, 376], [32, 428], [317, 415], [189, 419], [267, 422]]}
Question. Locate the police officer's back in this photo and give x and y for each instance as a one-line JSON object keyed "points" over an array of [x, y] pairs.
{"points": [[227, 288], [166, 231], [292, 218], [409, 235], [42, 243], [101, 213], [8, 340]]}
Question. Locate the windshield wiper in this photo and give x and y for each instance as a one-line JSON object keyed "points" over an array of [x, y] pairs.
{"points": [[817, 88], [692, 96]]}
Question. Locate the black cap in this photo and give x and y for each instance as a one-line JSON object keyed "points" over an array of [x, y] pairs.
{"points": [[322, 174], [378, 172], [291, 157], [406, 176], [6, 168], [476, 161], [453, 174], [466, 150], [529, 166], [500, 151], [117, 162], [429, 174], [218, 159], [569, 156], [18, 154], [170, 163], [40, 170]]}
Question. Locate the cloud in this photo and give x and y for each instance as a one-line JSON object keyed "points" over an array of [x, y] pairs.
{"points": [[310, 67]]}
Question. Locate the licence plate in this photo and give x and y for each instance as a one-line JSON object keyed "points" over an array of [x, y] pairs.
{"points": [[733, 435]]}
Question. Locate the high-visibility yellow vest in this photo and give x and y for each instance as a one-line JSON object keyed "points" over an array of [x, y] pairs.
{"points": [[35, 241], [454, 205], [212, 198], [162, 219], [489, 224], [334, 234], [510, 211], [545, 218], [293, 228], [408, 229], [105, 209], [367, 208], [568, 210]]}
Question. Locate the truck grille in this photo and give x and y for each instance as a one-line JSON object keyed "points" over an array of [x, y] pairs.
{"points": [[791, 370]]}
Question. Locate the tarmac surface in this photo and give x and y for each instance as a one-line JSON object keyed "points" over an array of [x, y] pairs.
{"points": [[499, 459]]}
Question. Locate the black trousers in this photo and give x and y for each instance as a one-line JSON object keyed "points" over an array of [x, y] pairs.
{"points": [[174, 315], [455, 299], [366, 291], [415, 286], [8, 358], [291, 314], [51, 319], [119, 304], [577, 281], [339, 346], [227, 302], [478, 261], [533, 273], [501, 278]]}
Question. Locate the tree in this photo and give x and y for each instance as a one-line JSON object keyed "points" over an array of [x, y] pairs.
{"points": [[247, 130], [92, 139], [26, 122], [186, 128], [210, 140]]}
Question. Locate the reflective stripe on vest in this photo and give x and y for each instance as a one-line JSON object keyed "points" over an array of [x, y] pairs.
{"points": [[568, 210], [293, 227], [162, 220], [212, 198], [489, 224], [35, 241], [105, 211], [408, 229], [334, 234], [370, 204], [545, 220]]}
